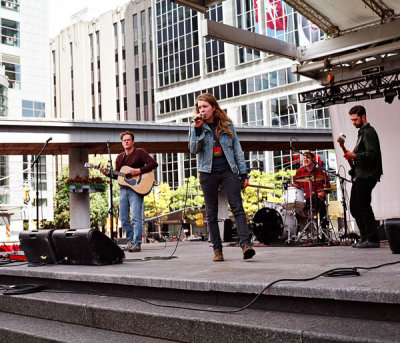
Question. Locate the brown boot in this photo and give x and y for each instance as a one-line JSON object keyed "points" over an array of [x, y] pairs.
{"points": [[218, 257], [248, 252]]}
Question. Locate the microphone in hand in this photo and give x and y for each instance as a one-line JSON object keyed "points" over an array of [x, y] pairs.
{"points": [[199, 117]]}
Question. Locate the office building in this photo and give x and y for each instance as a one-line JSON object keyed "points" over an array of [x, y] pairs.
{"points": [[24, 93]]}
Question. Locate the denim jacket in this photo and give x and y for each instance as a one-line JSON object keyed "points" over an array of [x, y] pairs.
{"points": [[203, 146]]}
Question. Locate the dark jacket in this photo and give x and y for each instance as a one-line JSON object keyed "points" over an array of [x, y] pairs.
{"points": [[368, 161]]}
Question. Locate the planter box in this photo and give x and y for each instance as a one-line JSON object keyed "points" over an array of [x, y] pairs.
{"points": [[85, 189]]}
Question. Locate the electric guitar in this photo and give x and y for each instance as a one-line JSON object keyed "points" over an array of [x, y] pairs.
{"points": [[141, 184], [341, 140]]}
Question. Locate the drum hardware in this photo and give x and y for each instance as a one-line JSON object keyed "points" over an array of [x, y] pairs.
{"points": [[273, 223], [258, 192]]}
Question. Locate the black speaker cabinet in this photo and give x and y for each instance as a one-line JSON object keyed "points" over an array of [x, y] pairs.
{"points": [[392, 227], [38, 246], [86, 246]]}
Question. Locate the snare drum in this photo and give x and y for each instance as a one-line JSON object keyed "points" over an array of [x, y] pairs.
{"points": [[293, 198]]}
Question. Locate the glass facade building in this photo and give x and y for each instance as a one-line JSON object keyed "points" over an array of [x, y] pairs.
{"points": [[255, 88]]}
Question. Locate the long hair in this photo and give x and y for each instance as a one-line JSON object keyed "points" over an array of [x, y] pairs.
{"points": [[220, 116]]}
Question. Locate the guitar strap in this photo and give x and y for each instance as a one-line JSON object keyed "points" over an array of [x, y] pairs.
{"points": [[357, 144]]}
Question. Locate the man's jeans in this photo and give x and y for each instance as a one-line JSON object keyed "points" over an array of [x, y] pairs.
{"points": [[231, 186], [130, 201]]}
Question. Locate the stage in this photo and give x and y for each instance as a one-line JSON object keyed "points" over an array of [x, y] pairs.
{"points": [[363, 308]]}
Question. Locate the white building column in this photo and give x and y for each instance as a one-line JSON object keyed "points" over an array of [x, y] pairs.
{"points": [[79, 202]]}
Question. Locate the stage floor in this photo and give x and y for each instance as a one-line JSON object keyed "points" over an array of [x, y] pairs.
{"points": [[192, 269]]}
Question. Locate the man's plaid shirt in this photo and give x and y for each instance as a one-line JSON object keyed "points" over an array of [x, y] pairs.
{"points": [[303, 172]]}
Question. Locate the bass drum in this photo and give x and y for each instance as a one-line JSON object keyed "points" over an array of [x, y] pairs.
{"points": [[273, 224]]}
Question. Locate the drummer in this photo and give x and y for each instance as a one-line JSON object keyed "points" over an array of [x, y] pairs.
{"points": [[311, 175]]}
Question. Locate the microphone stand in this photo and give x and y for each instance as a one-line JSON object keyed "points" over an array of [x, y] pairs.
{"points": [[111, 209], [36, 161], [342, 180]]}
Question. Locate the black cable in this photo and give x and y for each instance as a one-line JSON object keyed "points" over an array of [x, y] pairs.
{"points": [[170, 257], [335, 272]]}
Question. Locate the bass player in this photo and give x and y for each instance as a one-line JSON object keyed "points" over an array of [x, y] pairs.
{"points": [[367, 170]]}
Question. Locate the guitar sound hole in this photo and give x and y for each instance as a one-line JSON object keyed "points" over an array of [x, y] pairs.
{"points": [[128, 176]]}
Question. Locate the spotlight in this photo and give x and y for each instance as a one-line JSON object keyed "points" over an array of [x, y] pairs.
{"points": [[389, 98], [389, 95]]}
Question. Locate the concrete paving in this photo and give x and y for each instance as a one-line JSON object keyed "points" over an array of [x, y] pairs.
{"points": [[192, 269]]}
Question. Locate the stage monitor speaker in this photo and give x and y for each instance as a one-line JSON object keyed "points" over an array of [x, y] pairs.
{"points": [[86, 246], [392, 227], [38, 246]]}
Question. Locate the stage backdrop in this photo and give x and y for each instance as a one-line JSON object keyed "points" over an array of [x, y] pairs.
{"points": [[385, 118]]}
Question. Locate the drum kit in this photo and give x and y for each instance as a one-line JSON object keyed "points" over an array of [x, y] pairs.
{"points": [[294, 221]]}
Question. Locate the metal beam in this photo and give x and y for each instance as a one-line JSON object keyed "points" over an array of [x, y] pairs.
{"points": [[380, 8], [314, 16], [26, 137], [354, 40], [233, 35], [197, 5], [314, 69]]}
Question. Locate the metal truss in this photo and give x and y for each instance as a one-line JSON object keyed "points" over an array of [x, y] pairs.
{"points": [[370, 87]]}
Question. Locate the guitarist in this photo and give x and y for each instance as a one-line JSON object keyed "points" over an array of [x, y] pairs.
{"points": [[130, 201], [367, 170]]}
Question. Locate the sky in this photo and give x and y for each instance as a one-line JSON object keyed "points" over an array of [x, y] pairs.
{"points": [[60, 11]]}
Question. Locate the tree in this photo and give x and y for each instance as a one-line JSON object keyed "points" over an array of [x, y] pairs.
{"points": [[99, 202], [273, 180]]}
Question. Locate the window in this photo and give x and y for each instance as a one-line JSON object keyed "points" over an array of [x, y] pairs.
{"points": [[26, 162], [255, 160], [189, 165], [285, 24], [169, 169], [318, 118], [12, 5], [247, 20], [177, 43], [3, 101], [284, 111], [13, 72], [252, 114], [215, 50], [33, 109], [9, 32], [4, 171]]}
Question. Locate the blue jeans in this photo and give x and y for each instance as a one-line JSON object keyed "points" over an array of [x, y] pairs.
{"points": [[230, 183], [130, 201]]}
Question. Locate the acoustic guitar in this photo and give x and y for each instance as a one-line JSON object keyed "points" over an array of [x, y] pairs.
{"points": [[341, 140], [141, 184]]}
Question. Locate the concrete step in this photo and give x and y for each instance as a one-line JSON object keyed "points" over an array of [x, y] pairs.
{"points": [[25, 329], [137, 317]]}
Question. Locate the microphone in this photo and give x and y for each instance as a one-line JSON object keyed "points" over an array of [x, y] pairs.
{"points": [[290, 142], [49, 139], [202, 116]]}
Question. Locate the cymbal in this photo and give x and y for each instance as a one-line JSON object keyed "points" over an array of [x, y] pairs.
{"points": [[307, 178], [259, 186]]}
